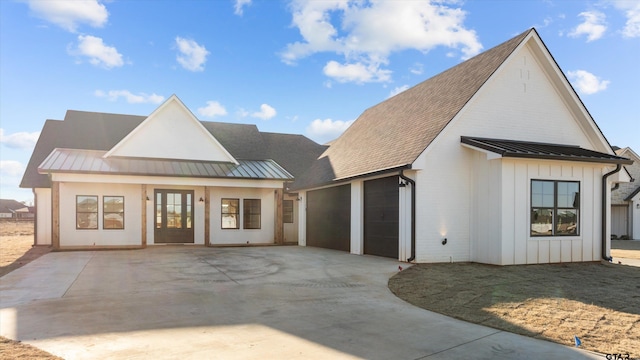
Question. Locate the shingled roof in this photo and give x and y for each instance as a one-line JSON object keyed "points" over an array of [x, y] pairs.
{"points": [[101, 131], [393, 133]]}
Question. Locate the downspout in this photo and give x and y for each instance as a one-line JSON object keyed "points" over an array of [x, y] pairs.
{"points": [[604, 212], [413, 215]]}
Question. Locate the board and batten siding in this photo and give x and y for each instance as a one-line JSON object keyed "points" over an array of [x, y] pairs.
{"points": [[465, 202], [508, 240]]}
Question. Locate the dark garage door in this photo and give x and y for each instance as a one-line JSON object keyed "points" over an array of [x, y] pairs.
{"points": [[329, 218], [381, 217]]}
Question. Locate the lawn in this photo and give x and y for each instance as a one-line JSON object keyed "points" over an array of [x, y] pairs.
{"points": [[598, 302]]}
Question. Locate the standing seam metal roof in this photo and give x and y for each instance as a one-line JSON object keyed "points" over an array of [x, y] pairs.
{"points": [[93, 162]]}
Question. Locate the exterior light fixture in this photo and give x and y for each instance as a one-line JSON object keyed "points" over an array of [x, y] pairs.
{"points": [[201, 200]]}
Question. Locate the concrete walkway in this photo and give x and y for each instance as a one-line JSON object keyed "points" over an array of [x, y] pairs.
{"points": [[237, 303]]}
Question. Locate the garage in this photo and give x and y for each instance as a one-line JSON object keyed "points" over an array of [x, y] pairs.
{"points": [[329, 218], [381, 216]]}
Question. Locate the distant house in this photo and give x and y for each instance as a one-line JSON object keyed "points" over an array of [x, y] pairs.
{"points": [[11, 209], [625, 200], [495, 160]]}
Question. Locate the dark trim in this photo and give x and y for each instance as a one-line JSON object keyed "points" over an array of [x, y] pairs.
{"points": [[237, 215], [413, 215], [634, 193], [571, 153], [97, 212], [113, 212], [351, 178], [604, 212], [554, 209]]}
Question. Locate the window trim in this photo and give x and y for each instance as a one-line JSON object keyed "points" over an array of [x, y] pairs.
{"points": [[237, 214], [246, 213], [555, 209], [105, 212], [97, 212]]}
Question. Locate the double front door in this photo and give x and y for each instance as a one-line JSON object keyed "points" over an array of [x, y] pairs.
{"points": [[174, 216]]}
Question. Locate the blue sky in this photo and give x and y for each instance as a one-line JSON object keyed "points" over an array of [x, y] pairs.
{"points": [[305, 67]]}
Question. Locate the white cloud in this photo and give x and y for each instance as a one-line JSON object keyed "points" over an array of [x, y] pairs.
{"points": [[192, 56], [70, 14], [19, 140], [369, 31], [141, 98], [417, 69], [586, 82], [11, 168], [358, 72], [632, 13], [266, 112], [594, 25], [398, 90], [212, 109], [98, 53], [326, 130], [240, 4]]}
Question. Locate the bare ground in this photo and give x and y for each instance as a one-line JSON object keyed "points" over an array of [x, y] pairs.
{"points": [[598, 302]]}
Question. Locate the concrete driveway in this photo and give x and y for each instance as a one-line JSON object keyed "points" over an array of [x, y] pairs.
{"points": [[237, 303]]}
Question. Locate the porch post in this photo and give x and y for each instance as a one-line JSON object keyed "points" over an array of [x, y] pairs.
{"points": [[279, 226], [144, 216], [55, 215], [207, 215]]}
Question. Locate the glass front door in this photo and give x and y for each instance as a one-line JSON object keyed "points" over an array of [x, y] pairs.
{"points": [[174, 216]]}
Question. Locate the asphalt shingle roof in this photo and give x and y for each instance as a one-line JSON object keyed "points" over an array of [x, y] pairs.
{"points": [[101, 131], [393, 133]]}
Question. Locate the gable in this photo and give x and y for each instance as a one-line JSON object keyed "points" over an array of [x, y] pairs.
{"points": [[171, 132], [526, 100]]}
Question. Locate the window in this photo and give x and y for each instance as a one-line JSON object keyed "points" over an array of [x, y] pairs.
{"points": [[251, 213], [230, 213], [86, 212], [287, 211], [113, 212], [555, 207]]}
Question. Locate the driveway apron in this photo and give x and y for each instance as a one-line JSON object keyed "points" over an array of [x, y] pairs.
{"points": [[193, 302]]}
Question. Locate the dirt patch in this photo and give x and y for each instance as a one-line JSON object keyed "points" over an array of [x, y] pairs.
{"points": [[598, 302], [16, 245], [629, 249]]}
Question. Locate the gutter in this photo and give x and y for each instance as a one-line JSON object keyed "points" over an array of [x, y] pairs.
{"points": [[413, 215], [604, 212]]}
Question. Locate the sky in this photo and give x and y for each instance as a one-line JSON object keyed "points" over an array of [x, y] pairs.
{"points": [[290, 66]]}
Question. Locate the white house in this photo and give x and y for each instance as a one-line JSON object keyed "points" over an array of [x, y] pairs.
{"points": [[625, 200], [495, 160], [122, 181]]}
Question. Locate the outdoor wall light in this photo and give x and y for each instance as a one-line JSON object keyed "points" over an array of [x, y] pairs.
{"points": [[201, 200], [148, 198], [402, 183], [444, 241], [638, 206]]}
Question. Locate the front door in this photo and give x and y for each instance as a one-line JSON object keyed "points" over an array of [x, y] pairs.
{"points": [[174, 216]]}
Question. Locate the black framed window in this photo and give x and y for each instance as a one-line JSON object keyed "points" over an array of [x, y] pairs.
{"points": [[230, 213], [86, 212], [555, 208], [287, 211], [113, 212], [251, 213]]}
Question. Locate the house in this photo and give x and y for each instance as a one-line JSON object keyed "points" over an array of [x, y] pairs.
{"points": [[495, 160], [122, 181], [625, 201], [11, 209]]}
